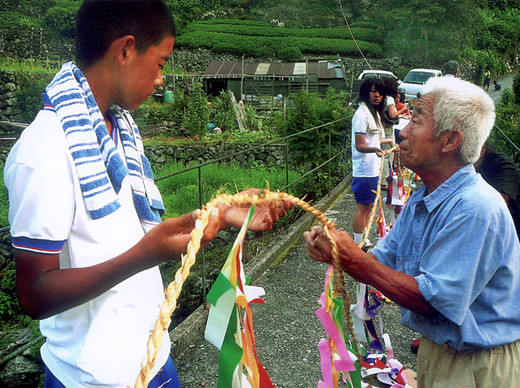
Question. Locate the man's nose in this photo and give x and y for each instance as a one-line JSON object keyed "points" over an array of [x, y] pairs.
{"points": [[402, 131], [159, 80]]}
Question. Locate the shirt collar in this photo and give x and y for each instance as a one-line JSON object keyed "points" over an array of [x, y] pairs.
{"points": [[447, 188]]}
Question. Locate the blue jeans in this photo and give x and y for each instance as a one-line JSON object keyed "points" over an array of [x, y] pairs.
{"points": [[166, 378]]}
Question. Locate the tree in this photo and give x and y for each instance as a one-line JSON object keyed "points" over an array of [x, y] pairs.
{"points": [[196, 120], [427, 33]]}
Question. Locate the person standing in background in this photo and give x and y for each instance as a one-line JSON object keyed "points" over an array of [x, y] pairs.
{"points": [[487, 78], [451, 69], [500, 171], [367, 138]]}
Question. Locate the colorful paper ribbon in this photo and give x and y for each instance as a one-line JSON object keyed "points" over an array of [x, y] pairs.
{"points": [[230, 322], [336, 356]]}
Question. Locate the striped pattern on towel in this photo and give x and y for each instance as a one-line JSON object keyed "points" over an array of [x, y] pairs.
{"points": [[99, 166]]}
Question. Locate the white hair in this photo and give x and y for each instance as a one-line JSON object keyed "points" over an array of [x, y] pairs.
{"points": [[461, 105]]}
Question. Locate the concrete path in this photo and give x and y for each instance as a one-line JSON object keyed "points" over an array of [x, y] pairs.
{"points": [[506, 81], [286, 328]]}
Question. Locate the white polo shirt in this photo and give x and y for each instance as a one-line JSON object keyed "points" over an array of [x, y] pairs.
{"points": [[366, 165], [101, 342]]}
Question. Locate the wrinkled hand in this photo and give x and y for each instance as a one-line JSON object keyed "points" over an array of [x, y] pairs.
{"points": [[318, 245]]}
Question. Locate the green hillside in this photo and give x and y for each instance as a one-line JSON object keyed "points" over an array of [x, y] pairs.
{"points": [[259, 39], [479, 32]]}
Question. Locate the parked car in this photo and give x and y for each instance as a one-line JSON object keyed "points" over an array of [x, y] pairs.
{"points": [[365, 74], [414, 81], [383, 74]]}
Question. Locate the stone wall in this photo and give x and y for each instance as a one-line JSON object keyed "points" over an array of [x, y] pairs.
{"points": [[9, 110], [31, 43], [200, 153]]}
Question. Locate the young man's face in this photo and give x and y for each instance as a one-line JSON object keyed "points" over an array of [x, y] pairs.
{"points": [[143, 74]]}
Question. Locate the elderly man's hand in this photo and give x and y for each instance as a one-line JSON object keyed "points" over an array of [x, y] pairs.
{"points": [[319, 246]]}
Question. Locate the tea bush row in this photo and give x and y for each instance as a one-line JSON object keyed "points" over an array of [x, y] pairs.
{"points": [[362, 34], [259, 46]]}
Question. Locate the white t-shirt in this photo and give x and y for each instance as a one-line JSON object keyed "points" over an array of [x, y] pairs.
{"points": [[389, 101], [366, 165], [101, 342]]}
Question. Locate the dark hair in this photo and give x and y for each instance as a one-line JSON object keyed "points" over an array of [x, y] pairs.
{"points": [[391, 87], [364, 95], [100, 22], [451, 67]]}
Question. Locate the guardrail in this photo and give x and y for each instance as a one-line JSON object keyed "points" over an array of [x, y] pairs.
{"points": [[280, 142]]}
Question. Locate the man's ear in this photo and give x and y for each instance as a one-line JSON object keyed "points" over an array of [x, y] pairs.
{"points": [[125, 47], [451, 140]]}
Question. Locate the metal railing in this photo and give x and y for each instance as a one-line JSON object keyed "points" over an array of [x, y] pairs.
{"points": [[280, 142]]}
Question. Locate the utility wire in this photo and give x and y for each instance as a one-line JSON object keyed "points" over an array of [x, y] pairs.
{"points": [[352, 34]]}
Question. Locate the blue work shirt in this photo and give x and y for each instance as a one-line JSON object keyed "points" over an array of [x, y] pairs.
{"points": [[460, 244]]}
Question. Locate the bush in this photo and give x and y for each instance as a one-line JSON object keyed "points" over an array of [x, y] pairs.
{"points": [[196, 120], [9, 308], [15, 20], [260, 46], [222, 112], [289, 54], [310, 149], [508, 120], [516, 88], [363, 34], [62, 19]]}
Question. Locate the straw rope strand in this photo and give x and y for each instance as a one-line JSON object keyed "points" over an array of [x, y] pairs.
{"points": [[173, 290]]}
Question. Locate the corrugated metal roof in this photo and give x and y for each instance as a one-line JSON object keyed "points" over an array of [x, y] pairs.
{"points": [[323, 69]]}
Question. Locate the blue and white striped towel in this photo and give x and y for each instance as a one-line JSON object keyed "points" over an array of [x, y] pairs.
{"points": [[99, 167]]}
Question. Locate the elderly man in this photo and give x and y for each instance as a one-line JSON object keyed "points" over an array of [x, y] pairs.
{"points": [[451, 261]]}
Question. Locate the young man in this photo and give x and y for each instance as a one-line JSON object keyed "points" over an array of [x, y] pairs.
{"points": [[84, 211], [451, 259]]}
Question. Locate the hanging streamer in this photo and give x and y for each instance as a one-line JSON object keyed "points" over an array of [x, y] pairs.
{"points": [[336, 356], [230, 322]]}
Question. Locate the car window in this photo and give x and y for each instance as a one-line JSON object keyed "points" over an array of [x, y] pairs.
{"points": [[381, 76], [418, 77]]}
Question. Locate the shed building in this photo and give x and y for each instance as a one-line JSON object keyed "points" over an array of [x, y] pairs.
{"points": [[252, 81]]}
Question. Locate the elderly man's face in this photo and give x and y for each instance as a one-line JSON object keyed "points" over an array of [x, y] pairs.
{"points": [[419, 148]]}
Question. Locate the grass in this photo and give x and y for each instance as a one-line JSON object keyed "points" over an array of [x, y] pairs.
{"points": [[30, 65], [181, 192]]}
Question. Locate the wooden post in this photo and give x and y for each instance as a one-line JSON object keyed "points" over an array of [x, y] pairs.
{"points": [[242, 80], [238, 112]]}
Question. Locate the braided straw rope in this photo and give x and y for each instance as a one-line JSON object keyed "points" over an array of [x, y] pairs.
{"points": [[378, 194], [173, 290]]}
